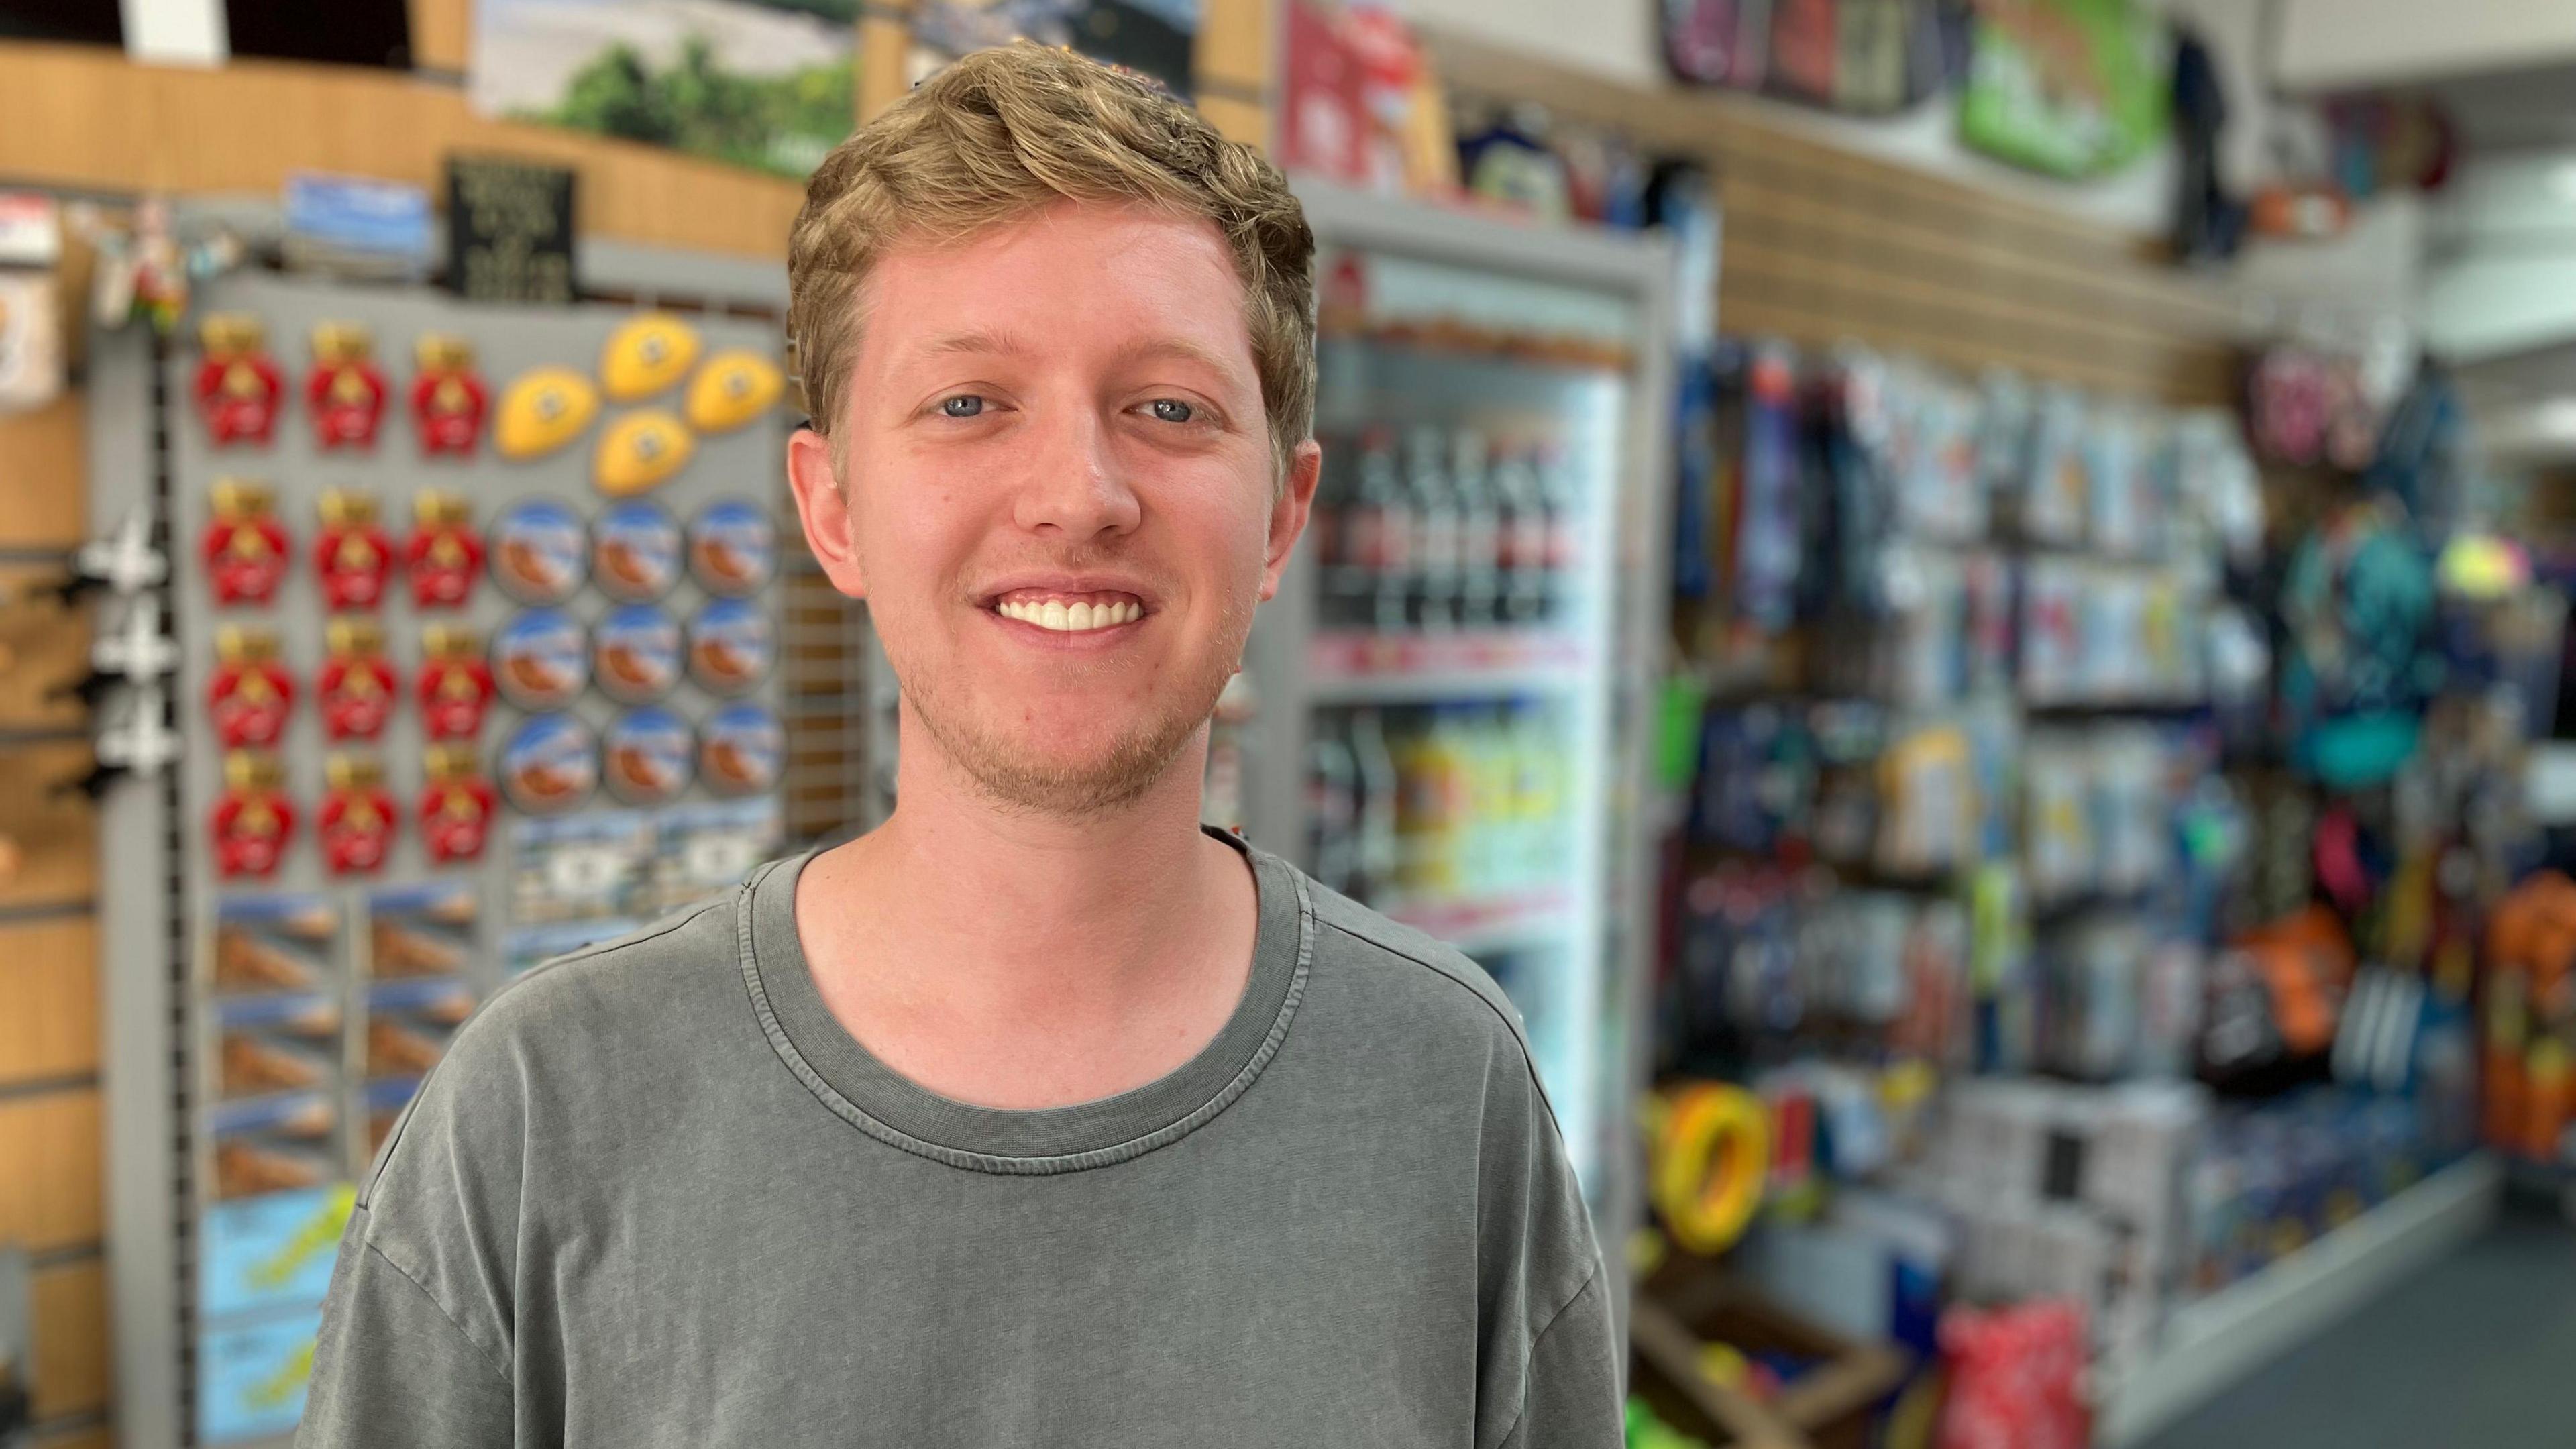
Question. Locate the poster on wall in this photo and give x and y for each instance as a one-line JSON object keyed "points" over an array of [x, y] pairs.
{"points": [[765, 84], [2074, 88], [1152, 37]]}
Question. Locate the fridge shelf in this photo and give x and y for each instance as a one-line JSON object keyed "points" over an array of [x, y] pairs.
{"points": [[1367, 667]]}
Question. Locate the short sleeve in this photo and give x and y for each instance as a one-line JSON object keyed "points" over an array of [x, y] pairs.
{"points": [[392, 1369], [1572, 1393], [1549, 1371]]}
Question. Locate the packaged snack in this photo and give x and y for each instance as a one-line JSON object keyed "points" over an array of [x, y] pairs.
{"points": [[268, 1253], [421, 930], [707, 848], [409, 1024], [385, 1102], [267, 1045], [583, 867], [647, 755], [274, 944], [730, 647], [538, 552], [733, 548], [541, 660], [550, 764], [635, 552], [741, 750], [636, 654], [252, 1377], [273, 1144]]}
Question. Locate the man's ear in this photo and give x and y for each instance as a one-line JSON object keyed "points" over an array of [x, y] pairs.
{"points": [[1289, 511], [823, 505]]}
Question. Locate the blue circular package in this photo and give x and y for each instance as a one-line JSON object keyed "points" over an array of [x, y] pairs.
{"points": [[740, 750], [549, 764], [540, 660], [539, 552], [635, 654], [635, 552], [647, 756], [730, 648], [733, 548]]}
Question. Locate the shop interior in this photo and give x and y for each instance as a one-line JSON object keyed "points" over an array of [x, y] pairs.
{"points": [[1963, 601]]}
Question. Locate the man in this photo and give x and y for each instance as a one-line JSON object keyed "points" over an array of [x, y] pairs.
{"points": [[1038, 1115]]}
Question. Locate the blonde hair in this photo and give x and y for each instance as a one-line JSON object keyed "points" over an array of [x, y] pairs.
{"points": [[1007, 131]]}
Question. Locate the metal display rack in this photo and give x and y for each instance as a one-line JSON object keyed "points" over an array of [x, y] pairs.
{"points": [[164, 904]]}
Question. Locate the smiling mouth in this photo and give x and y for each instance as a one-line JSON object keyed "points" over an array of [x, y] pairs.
{"points": [[1069, 613]]}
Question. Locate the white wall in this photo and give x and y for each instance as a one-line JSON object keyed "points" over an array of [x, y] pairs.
{"points": [[1617, 39], [2327, 44]]}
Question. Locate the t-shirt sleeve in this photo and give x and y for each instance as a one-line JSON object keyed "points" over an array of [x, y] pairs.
{"points": [[1573, 1389], [392, 1369], [1550, 1372]]}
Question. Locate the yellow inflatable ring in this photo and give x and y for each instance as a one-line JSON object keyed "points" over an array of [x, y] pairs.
{"points": [[1710, 1160]]}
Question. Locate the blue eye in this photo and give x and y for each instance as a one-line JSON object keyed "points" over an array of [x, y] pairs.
{"points": [[1173, 410], [964, 405]]}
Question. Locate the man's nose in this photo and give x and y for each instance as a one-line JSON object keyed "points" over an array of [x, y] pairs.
{"points": [[1072, 484]]}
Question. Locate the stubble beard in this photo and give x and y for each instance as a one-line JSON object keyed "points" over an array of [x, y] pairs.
{"points": [[1022, 782]]}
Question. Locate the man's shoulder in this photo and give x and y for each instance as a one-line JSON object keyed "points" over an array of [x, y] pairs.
{"points": [[576, 1035], [608, 1009], [641, 972], [1421, 969]]}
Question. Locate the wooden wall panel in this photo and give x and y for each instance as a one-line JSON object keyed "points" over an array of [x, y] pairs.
{"points": [[43, 646], [54, 835], [48, 1002], [442, 35], [1245, 121], [86, 1438], [78, 116], [50, 1199], [40, 449], [71, 1354], [1232, 55], [1823, 246]]}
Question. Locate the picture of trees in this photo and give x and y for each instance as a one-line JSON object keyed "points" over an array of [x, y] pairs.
{"points": [[759, 83]]}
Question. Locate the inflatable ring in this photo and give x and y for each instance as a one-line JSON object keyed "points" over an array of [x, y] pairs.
{"points": [[1710, 1159]]}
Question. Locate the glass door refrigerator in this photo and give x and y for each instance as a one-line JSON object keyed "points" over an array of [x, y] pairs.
{"points": [[1450, 697]]}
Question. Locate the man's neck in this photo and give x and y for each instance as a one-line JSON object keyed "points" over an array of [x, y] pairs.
{"points": [[1020, 959]]}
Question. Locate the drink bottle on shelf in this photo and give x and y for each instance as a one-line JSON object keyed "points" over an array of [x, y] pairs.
{"points": [[1524, 519], [1480, 529], [1379, 848], [1333, 807], [1560, 502], [1390, 562], [1435, 530]]}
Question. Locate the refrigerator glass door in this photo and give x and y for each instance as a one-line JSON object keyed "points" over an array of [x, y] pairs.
{"points": [[1458, 670]]}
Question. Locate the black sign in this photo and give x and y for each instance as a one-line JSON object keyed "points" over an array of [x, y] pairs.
{"points": [[509, 230]]}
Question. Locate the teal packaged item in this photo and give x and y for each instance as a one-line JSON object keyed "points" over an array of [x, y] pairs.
{"points": [[251, 1377], [270, 1252]]}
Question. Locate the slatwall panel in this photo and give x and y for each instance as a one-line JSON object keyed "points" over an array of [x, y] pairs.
{"points": [[1822, 246], [50, 1137]]}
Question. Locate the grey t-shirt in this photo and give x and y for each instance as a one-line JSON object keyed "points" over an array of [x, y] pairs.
{"points": [[657, 1196]]}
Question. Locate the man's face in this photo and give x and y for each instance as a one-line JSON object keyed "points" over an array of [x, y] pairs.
{"points": [[1058, 500]]}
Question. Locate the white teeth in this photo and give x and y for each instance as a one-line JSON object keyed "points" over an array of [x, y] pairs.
{"points": [[1070, 618]]}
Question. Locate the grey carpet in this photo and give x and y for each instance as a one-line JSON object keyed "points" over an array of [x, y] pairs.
{"points": [[2476, 1352]]}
